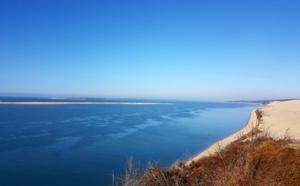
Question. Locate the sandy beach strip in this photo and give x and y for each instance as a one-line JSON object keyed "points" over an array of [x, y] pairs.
{"points": [[81, 103], [279, 118]]}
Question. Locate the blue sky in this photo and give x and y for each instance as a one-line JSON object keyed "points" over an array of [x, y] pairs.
{"points": [[203, 50]]}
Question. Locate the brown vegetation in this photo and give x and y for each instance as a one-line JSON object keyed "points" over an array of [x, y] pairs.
{"points": [[263, 161], [255, 131]]}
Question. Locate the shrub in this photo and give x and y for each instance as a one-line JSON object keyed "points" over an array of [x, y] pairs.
{"points": [[263, 161]]}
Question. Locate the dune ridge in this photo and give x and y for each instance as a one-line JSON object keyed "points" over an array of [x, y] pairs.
{"points": [[280, 118]]}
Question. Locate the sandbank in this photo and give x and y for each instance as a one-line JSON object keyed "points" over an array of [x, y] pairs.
{"points": [[279, 118], [80, 103]]}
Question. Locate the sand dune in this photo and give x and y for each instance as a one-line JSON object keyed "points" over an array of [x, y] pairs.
{"points": [[278, 118], [282, 118]]}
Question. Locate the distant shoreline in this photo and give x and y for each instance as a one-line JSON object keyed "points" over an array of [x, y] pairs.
{"points": [[82, 103], [262, 102]]}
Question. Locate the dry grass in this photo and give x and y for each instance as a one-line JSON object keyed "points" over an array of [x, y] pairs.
{"points": [[263, 161], [254, 159]]}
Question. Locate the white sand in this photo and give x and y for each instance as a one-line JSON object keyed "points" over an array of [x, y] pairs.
{"points": [[279, 118], [79, 103]]}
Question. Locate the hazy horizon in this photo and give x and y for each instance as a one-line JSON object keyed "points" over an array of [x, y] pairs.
{"points": [[70, 97], [187, 50]]}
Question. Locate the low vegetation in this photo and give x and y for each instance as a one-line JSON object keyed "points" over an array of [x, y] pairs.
{"points": [[261, 161]]}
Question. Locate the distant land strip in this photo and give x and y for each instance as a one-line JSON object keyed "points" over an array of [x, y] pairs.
{"points": [[82, 103]]}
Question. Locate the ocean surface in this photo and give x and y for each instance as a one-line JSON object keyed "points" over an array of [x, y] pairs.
{"points": [[86, 144]]}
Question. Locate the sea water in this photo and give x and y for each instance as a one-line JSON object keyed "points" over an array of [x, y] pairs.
{"points": [[87, 144]]}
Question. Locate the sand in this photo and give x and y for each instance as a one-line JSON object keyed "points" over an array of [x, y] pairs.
{"points": [[280, 119], [80, 103]]}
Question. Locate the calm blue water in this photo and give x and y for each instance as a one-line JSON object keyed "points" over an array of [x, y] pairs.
{"points": [[85, 144]]}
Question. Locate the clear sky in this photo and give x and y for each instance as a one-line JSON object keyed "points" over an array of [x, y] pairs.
{"points": [[179, 49]]}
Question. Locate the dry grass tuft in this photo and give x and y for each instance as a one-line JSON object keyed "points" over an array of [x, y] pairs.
{"points": [[263, 161]]}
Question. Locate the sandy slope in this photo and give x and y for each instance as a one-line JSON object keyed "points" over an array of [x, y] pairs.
{"points": [[279, 118]]}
